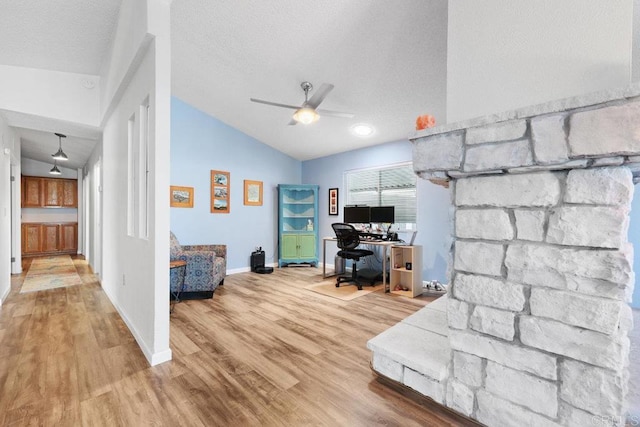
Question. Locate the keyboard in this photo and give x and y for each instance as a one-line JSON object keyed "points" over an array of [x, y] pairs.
{"points": [[376, 237]]}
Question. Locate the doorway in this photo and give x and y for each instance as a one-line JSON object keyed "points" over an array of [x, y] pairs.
{"points": [[16, 247]]}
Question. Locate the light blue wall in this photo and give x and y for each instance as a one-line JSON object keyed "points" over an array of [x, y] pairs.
{"points": [[433, 201], [200, 143], [634, 237]]}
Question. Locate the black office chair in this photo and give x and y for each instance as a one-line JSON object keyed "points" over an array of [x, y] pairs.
{"points": [[348, 241]]}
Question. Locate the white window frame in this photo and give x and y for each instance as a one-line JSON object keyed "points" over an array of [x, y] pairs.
{"points": [[400, 224]]}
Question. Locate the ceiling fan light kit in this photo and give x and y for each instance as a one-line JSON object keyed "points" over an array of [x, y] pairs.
{"points": [[60, 155], [306, 116], [308, 113]]}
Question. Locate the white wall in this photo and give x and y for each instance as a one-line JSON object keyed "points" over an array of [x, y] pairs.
{"points": [[93, 227], [135, 273], [51, 94], [505, 54], [7, 144], [130, 38], [32, 167], [16, 204]]}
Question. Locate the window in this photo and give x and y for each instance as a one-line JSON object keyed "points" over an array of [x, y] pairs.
{"points": [[393, 185], [132, 168], [138, 173], [143, 174]]}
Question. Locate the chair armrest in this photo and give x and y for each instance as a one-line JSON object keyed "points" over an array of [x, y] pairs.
{"points": [[186, 255], [220, 250]]}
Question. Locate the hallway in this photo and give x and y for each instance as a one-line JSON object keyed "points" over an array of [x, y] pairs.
{"points": [[60, 351]]}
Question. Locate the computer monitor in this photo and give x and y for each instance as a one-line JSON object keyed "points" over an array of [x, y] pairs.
{"points": [[383, 214], [356, 214]]}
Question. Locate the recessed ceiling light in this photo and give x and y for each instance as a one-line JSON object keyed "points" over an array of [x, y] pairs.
{"points": [[362, 130]]}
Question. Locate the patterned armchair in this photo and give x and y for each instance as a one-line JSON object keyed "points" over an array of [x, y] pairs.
{"points": [[206, 268]]}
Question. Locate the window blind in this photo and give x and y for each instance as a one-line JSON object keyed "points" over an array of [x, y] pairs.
{"points": [[385, 186]]}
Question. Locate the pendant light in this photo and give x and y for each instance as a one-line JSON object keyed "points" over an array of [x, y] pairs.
{"points": [[54, 170], [59, 155]]}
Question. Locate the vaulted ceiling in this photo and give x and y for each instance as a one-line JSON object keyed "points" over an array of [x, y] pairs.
{"points": [[387, 61]]}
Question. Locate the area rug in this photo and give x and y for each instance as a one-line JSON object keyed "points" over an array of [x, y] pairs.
{"points": [[345, 292], [49, 273]]}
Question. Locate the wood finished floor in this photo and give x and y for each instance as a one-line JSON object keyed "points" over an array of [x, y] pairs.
{"points": [[263, 351]]}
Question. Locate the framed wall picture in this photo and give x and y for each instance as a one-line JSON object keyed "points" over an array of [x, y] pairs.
{"points": [[220, 192], [181, 197], [252, 193], [333, 201]]}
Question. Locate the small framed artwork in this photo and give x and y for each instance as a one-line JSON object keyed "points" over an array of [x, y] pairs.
{"points": [[333, 201], [181, 197], [252, 193], [220, 193]]}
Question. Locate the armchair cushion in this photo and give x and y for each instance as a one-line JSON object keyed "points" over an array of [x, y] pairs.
{"points": [[206, 268]]}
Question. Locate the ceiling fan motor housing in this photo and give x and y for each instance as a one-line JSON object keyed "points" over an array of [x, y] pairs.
{"points": [[306, 87]]}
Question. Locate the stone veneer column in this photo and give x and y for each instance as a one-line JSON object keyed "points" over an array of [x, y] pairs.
{"points": [[542, 269]]}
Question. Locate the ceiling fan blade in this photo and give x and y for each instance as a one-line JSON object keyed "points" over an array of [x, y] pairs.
{"points": [[331, 113], [319, 96], [275, 104]]}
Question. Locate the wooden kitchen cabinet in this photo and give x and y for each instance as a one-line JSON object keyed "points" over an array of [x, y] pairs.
{"points": [[49, 238], [40, 192], [69, 237], [69, 193], [31, 239], [31, 192]]}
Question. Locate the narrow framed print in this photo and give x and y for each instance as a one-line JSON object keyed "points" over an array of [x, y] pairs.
{"points": [[220, 194], [181, 197], [252, 193], [333, 201]]}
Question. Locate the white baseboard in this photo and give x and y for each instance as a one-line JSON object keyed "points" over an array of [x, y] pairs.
{"points": [[152, 358], [6, 294], [161, 357], [238, 270], [248, 269]]}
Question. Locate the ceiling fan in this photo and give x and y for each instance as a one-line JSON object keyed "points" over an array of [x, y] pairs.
{"points": [[308, 112]]}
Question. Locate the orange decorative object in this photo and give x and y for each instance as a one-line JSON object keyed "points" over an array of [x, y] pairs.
{"points": [[425, 121]]}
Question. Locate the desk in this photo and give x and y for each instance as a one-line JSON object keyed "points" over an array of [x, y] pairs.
{"points": [[385, 248]]}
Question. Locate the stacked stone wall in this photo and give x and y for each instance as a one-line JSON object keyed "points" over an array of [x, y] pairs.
{"points": [[542, 271], [537, 314]]}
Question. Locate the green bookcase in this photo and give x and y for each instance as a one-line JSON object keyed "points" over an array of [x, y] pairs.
{"points": [[297, 224]]}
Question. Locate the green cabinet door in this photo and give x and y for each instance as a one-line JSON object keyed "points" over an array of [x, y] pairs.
{"points": [[307, 245], [289, 246]]}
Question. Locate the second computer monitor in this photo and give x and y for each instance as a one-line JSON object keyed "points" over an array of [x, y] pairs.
{"points": [[383, 214], [356, 214]]}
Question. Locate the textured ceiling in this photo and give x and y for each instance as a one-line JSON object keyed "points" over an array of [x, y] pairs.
{"points": [[60, 35], [63, 35], [39, 145], [387, 61]]}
